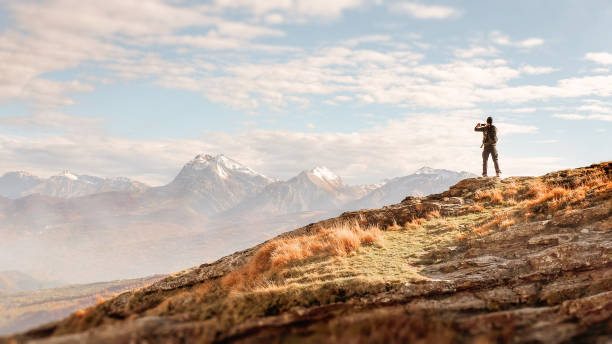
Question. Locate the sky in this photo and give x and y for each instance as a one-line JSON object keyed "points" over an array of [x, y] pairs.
{"points": [[371, 89]]}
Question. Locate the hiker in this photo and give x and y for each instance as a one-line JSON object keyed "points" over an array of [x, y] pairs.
{"points": [[489, 139]]}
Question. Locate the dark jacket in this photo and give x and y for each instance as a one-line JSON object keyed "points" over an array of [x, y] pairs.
{"points": [[489, 134]]}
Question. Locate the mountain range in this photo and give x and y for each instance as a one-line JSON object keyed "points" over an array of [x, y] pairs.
{"points": [[64, 185], [213, 207]]}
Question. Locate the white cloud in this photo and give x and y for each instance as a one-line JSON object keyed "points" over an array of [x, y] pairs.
{"points": [[501, 39], [55, 122], [475, 51], [61, 34], [518, 110], [394, 77], [368, 39], [601, 70], [421, 11], [598, 85], [596, 106], [551, 141], [342, 98], [274, 19], [297, 10], [576, 117], [601, 58], [537, 70]]}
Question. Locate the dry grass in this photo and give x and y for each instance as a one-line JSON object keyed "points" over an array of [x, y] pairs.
{"points": [[476, 208], [492, 195], [544, 198], [395, 227], [460, 236], [415, 224], [434, 214], [341, 239], [501, 221], [538, 198]]}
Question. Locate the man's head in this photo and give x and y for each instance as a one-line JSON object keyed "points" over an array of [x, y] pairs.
{"points": [[489, 120]]}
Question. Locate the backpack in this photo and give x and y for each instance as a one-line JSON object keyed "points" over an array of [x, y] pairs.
{"points": [[490, 135]]}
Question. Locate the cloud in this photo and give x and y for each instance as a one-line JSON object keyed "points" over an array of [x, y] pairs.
{"points": [[601, 58], [598, 85], [475, 51], [518, 110], [58, 35], [391, 76], [501, 39], [596, 106], [577, 117], [368, 39], [551, 141], [294, 10], [420, 11], [55, 122], [531, 70]]}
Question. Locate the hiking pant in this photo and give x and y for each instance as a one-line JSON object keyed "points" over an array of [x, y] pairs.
{"points": [[489, 149]]}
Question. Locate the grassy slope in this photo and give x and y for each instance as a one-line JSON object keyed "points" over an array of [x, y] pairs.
{"points": [[240, 295]]}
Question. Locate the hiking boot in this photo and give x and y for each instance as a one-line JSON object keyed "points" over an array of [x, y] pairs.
{"points": [[484, 175], [497, 174]]}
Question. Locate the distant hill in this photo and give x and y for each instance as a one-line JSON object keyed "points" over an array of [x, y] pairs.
{"points": [[15, 281]]}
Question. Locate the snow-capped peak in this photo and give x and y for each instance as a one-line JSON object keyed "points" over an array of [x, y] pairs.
{"points": [[220, 164], [425, 170], [19, 174], [326, 174], [68, 174]]}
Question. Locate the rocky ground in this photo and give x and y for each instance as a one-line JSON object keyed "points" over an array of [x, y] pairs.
{"points": [[519, 260]]}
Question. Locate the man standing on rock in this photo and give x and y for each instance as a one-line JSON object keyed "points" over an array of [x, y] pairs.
{"points": [[489, 139]]}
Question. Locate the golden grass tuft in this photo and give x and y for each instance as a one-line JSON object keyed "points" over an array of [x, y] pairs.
{"points": [[492, 195], [395, 227], [501, 221], [476, 208], [461, 236], [434, 214], [340, 239], [510, 191], [552, 198]]}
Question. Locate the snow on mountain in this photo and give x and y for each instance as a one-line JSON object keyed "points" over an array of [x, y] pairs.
{"points": [[424, 181], [211, 184], [64, 185], [67, 174], [425, 170], [311, 190], [326, 174]]}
